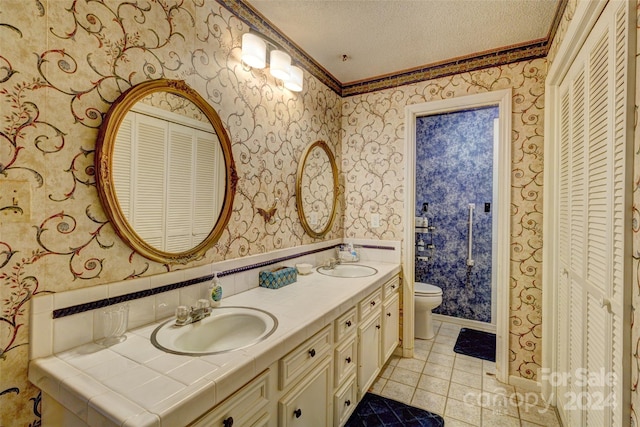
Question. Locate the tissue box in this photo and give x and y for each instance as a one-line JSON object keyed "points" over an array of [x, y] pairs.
{"points": [[277, 277]]}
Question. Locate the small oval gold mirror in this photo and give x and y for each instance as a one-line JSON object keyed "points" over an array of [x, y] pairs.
{"points": [[317, 189], [165, 171]]}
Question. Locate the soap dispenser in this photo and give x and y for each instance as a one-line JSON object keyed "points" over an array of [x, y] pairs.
{"points": [[215, 290]]}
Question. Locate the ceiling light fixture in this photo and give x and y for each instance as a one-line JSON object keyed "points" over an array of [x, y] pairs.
{"points": [[254, 54], [254, 51]]}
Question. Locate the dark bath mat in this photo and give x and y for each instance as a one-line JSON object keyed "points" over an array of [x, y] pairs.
{"points": [[378, 411], [476, 344]]}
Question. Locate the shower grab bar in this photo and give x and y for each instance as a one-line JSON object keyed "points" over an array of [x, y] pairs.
{"points": [[470, 261]]}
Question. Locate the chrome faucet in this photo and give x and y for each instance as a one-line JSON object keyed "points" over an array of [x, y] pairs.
{"points": [[187, 315]]}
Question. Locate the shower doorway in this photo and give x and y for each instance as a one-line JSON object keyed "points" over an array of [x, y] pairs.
{"points": [[462, 263], [454, 189]]}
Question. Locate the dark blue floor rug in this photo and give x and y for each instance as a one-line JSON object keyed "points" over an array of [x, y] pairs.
{"points": [[476, 344], [378, 411]]}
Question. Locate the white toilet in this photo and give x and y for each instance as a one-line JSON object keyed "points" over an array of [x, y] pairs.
{"points": [[427, 297]]}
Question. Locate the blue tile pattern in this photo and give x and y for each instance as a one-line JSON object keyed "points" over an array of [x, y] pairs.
{"points": [[454, 167], [378, 411]]}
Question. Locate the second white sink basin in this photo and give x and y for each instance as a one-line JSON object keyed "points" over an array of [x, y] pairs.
{"points": [[348, 271], [226, 329]]}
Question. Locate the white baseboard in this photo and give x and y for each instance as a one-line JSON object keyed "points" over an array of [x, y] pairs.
{"points": [[473, 324], [524, 383]]}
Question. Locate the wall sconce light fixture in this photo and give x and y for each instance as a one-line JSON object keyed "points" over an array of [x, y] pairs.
{"points": [[254, 54]]}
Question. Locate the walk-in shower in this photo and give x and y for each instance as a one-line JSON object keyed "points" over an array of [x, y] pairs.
{"points": [[454, 207]]}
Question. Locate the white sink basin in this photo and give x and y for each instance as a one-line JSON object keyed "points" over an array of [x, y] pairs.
{"points": [[348, 271], [226, 329]]}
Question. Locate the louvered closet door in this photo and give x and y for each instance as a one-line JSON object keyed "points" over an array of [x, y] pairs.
{"points": [[121, 164], [206, 201], [593, 120], [151, 140], [180, 183]]}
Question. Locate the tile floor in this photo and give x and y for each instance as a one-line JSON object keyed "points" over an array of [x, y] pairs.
{"points": [[462, 389]]}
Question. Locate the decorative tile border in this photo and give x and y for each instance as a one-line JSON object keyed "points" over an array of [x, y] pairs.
{"points": [[105, 302], [506, 55]]}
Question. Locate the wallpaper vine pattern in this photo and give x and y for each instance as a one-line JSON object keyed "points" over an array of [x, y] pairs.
{"points": [[635, 320], [62, 64], [373, 166]]}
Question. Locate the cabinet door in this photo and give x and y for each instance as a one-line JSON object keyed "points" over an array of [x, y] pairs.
{"points": [[369, 345], [309, 403], [390, 327]]}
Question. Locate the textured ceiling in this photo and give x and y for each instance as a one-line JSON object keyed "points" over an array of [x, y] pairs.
{"points": [[382, 37]]}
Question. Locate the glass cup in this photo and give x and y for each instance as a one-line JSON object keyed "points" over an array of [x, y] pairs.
{"points": [[114, 324]]}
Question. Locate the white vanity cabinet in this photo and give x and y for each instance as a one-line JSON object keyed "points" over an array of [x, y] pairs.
{"points": [[369, 341], [317, 384], [378, 332], [306, 381], [246, 407], [321, 381], [390, 317], [345, 361]]}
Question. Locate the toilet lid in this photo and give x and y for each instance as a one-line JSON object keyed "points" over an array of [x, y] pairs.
{"points": [[427, 289]]}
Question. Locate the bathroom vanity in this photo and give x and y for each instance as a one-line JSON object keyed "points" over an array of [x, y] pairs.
{"points": [[333, 336]]}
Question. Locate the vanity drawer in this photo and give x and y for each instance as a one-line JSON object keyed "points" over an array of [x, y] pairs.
{"points": [[247, 406], [370, 304], [304, 357], [391, 288], [345, 401], [346, 324], [345, 359]]}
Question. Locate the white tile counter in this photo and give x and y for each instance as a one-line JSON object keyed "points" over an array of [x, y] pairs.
{"points": [[135, 384]]}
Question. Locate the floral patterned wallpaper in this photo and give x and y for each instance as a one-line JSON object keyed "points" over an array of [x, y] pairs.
{"points": [[635, 321], [373, 169], [62, 63]]}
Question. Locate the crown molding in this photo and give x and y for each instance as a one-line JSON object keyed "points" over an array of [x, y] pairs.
{"points": [[477, 61]]}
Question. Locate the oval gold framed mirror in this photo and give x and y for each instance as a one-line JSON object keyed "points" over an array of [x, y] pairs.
{"points": [[165, 171], [317, 189]]}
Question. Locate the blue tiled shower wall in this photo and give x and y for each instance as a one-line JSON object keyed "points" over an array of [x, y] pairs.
{"points": [[454, 167]]}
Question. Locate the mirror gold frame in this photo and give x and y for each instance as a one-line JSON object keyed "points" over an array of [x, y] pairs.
{"points": [[299, 189], [104, 169]]}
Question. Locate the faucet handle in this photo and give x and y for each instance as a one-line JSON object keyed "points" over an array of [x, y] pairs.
{"points": [[203, 303], [182, 313]]}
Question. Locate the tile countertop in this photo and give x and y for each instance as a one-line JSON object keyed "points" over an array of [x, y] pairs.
{"points": [[135, 384]]}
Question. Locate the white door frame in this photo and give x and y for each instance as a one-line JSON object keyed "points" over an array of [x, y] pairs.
{"points": [[501, 98]]}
